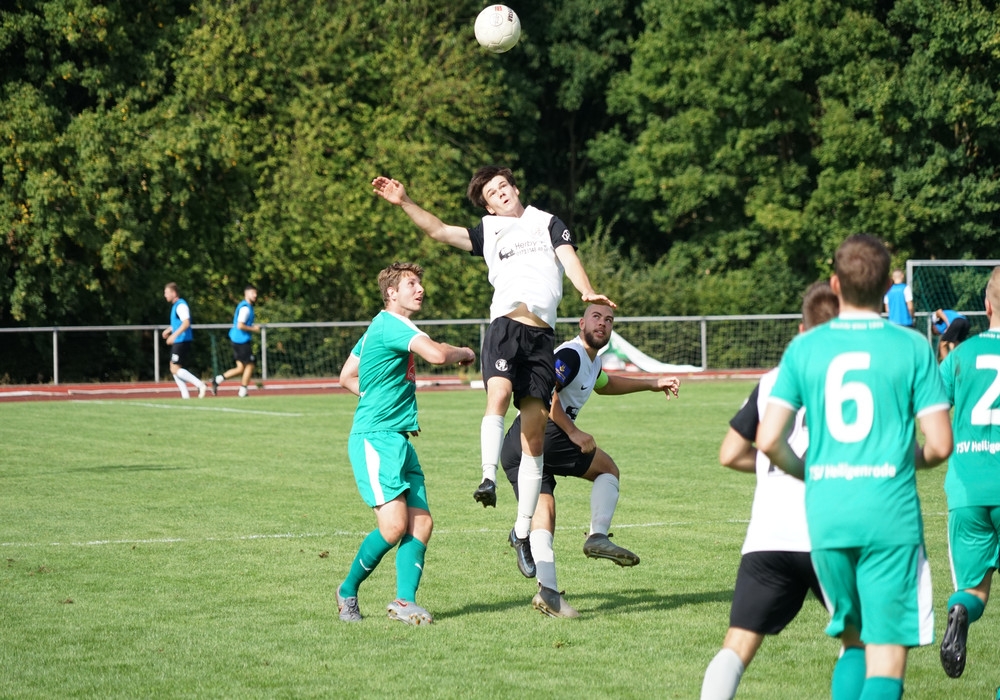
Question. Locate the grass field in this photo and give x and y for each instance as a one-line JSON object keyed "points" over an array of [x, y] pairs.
{"points": [[191, 549]]}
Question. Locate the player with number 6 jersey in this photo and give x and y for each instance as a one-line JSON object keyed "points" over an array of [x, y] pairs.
{"points": [[971, 375], [865, 384]]}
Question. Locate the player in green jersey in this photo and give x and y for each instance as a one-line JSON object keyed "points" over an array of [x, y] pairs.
{"points": [[971, 374], [380, 370], [865, 384]]}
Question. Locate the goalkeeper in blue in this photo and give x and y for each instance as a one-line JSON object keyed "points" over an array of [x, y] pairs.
{"points": [[865, 384], [972, 484], [380, 370]]}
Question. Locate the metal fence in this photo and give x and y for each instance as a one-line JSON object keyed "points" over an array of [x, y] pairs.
{"points": [[54, 354]]}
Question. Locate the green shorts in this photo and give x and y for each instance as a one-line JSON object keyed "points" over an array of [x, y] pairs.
{"points": [[884, 593], [973, 544], [386, 466]]}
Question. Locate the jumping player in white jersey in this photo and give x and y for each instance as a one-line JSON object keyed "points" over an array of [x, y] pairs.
{"points": [[775, 573], [526, 251], [972, 484], [389, 476], [865, 384], [570, 451]]}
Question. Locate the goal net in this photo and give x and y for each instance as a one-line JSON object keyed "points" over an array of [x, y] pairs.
{"points": [[959, 285]]}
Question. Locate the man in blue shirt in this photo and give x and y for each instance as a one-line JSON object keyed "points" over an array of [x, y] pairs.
{"points": [[239, 335], [179, 337], [898, 301], [953, 328]]}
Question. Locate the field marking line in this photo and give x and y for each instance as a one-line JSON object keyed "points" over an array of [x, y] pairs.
{"points": [[217, 409]]}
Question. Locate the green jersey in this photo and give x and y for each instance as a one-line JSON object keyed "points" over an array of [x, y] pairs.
{"points": [[387, 376], [863, 382], [971, 375]]}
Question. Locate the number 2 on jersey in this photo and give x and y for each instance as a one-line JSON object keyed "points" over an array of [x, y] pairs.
{"points": [[983, 412]]}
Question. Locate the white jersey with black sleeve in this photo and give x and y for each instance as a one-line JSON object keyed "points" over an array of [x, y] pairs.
{"points": [[576, 375], [521, 257], [778, 514]]}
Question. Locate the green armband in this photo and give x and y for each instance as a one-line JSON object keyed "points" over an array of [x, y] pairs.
{"points": [[602, 380]]}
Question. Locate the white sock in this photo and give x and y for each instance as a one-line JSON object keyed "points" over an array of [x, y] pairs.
{"points": [[490, 442], [529, 485], [219, 379], [603, 501], [722, 676], [545, 558], [243, 391], [190, 378], [185, 394]]}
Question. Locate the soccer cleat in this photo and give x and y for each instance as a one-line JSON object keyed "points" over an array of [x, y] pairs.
{"points": [[201, 391], [953, 644], [348, 608], [551, 602], [600, 546], [243, 392], [525, 562], [486, 493], [215, 386], [408, 612]]}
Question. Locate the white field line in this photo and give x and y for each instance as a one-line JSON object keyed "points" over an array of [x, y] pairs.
{"points": [[186, 407], [349, 533]]}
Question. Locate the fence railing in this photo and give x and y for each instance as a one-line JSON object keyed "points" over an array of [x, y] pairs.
{"points": [[54, 354]]}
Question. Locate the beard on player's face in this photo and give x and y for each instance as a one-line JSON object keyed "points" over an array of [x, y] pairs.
{"points": [[596, 342]]}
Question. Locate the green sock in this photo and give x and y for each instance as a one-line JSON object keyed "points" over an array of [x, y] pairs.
{"points": [[972, 603], [848, 675], [369, 555], [882, 688], [409, 567]]}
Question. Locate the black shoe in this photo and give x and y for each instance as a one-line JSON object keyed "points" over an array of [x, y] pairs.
{"points": [[600, 546], [486, 493], [953, 644], [215, 387], [525, 562]]}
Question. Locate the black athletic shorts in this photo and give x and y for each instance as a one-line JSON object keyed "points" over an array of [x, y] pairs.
{"points": [[523, 354], [957, 331], [243, 352], [770, 590], [179, 353], [562, 457]]}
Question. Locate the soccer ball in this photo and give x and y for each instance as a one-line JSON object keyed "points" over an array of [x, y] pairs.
{"points": [[498, 28]]}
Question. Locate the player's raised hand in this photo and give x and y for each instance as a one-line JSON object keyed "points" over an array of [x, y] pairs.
{"points": [[668, 385], [388, 189], [596, 298]]}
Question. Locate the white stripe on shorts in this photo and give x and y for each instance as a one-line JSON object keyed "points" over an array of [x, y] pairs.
{"points": [[372, 463], [925, 599]]}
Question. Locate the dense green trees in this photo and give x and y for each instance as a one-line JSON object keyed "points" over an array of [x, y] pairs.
{"points": [[711, 153]]}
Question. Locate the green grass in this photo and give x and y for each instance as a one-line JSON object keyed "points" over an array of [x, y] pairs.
{"points": [[191, 549]]}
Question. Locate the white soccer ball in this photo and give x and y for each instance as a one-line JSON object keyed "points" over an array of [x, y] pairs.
{"points": [[498, 28]]}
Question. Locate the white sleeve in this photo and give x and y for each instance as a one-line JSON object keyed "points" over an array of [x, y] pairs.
{"points": [[183, 312]]}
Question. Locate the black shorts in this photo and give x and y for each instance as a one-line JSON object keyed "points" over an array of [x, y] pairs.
{"points": [[957, 331], [243, 352], [179, 353], [523, 354], [770, 589], [562, 457]]}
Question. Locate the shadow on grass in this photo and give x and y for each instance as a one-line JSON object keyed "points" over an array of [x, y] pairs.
{"points": [[632, 601], [129, 468]]}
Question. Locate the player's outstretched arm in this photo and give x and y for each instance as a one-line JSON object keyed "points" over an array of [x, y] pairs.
{"points": [[349, 375], [772, 439], [938, 439], [617, 385], [578, 276], [441, 353], [393, 192]]}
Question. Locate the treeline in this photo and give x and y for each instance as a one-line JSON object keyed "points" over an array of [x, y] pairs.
{"points": [[711, 154]]}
